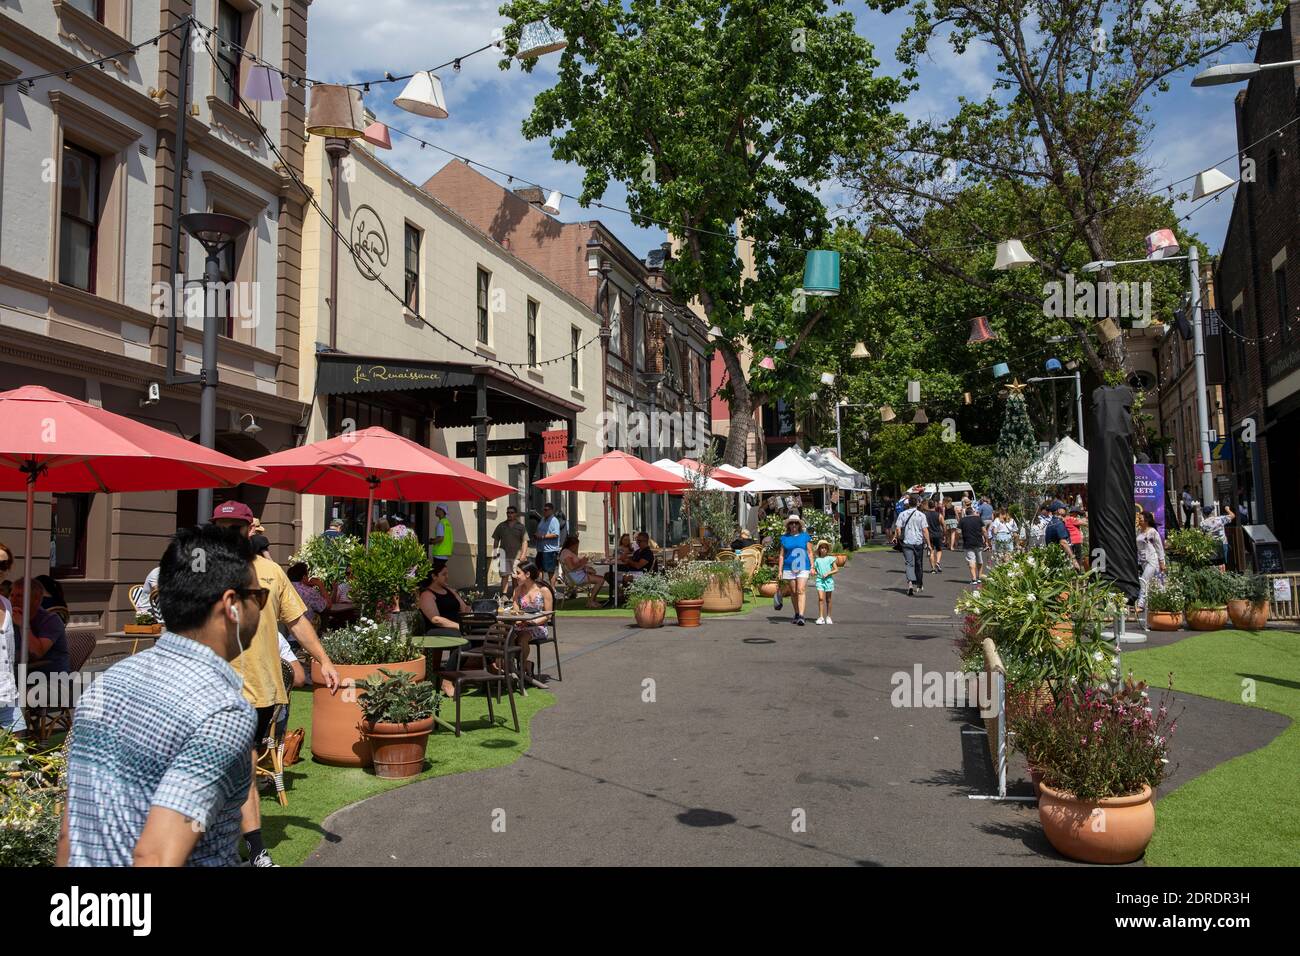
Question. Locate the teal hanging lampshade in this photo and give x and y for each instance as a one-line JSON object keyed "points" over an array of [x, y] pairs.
{"points": [[821, 272], [1001, 370]]}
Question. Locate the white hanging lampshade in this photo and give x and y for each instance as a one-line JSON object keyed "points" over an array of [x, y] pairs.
{"points": [[423, 96], [263, 84], [1210, 182], [1162, 244], [552, 204], [1012, 255], [336, 111], [714, 331], [376, 134], [539, 38], [887, 414], [860, 351], [827, 378], [913, 392]]}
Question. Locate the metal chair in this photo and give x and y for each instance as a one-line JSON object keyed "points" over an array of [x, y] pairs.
{"points": [[45, 719], [550, 638], [498, 646]]}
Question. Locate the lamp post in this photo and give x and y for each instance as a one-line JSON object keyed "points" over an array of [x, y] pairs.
{"points": [[1202, 403], [1236, 72], [215, 232], [1078, 395]]}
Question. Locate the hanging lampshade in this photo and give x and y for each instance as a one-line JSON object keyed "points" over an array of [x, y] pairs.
{"points": [[1210, 182], [376, 134], [860, 351], [552, 204], [1012, 255], [887, 414], [539, 38], [980, 331], [336, 111], [913, 392], [966, 398], [919, 418], [263, 84], [1162, 244], [1108, 329], [821, 272], [423, 96], [780, 345], [714, 331], [1001, 370], [827, 378], [1053, 365], [767, 363]]}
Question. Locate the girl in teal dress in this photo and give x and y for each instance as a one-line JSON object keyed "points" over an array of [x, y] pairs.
{"points": [[825, 568]]}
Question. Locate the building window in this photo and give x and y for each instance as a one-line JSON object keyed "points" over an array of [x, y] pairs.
{"points": [[91, 8], [79, 218], [412, 268], [532, 334], [616, 324], [68, 515], [1283, 307], [575, 342], [230, 36], [484, 286]]}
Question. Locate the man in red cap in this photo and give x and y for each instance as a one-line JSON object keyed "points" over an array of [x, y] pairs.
{"points": [[259, 666]]}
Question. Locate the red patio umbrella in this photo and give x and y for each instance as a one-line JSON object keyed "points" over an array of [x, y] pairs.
{"points": [[374, 461], [51, 442], [614, 472]]}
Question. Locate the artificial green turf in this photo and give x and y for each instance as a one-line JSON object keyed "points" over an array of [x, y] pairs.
{"points": [[315, 790], [577, 607], [1243, 812]]}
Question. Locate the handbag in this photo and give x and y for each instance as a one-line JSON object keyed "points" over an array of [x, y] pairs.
{"points": [[292, 746], [777, 603]]}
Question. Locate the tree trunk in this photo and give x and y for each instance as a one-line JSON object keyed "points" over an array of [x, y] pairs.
{"points": [[740, 407]]}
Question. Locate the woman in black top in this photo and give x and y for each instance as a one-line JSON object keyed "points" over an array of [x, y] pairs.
{"points": [[439, 602], [935, 527]]}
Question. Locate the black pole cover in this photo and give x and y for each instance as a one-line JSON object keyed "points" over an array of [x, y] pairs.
{"points": [[1111, 526]]}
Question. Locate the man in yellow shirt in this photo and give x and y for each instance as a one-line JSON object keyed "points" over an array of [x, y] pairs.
{"points": [[259, 666]]}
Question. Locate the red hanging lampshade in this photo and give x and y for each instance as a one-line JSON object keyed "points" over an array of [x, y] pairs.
{"points": [[980, 331]]}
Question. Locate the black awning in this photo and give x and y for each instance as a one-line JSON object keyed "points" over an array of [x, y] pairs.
{"points": [[449, 387]]}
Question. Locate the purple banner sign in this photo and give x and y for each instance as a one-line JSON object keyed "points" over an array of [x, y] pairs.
{"points": [[1149, 491]]}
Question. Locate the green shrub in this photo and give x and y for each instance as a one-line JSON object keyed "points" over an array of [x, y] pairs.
{"points": [[328, 557], [386, 572], [1255, 588], [1205, 587], [369, 642], [646, 588], [396, 698], [1192, 548]]}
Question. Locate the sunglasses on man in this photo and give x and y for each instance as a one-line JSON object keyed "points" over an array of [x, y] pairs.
{"points": [[261, 594]]}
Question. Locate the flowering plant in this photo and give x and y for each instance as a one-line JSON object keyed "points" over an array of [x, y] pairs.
{"points": [[32, 793], [369, 642], [1094, 743], [328, 557]]}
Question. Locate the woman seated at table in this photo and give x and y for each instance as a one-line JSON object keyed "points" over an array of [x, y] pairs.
{"points": [[311, 596], [531, 595], [578, 569], [439, 602]]}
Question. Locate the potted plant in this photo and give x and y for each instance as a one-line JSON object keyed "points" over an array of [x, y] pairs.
{"points": [[396, 718], [1208, 591], [1101, 756], [686, 585], [145, 623], [1164, 605], [723, 591], [328, 558], [1192, 548], [1249, 604], [33, 791], [841, 558], [359, 651], [764, 581], [386, 574], [649, 594]]}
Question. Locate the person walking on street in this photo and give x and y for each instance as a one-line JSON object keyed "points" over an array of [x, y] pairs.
{"points": [[825, 567], [975, 539], [1003, 532], [548, 543], [950, 517], [1216, 525], [1151, 555], [510, 539], [1074, 524], [1058, 533], [934, 527], [796, 563], [910, 530]]}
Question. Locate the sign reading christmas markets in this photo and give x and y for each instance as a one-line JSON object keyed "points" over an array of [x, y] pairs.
{"points": [[369, 242]]}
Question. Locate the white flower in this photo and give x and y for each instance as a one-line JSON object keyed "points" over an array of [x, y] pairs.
{"points": [[1099, 656], [1031, 597]]}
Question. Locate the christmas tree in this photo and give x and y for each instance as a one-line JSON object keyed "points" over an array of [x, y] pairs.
{"points": [[1016, 441]]}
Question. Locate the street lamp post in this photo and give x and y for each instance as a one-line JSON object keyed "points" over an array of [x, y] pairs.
{"points": [[1193, 259], [215, 232], [1078, 396], [839, 447], [1236, 72]]}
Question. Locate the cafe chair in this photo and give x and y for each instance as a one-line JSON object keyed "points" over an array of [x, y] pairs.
{"points": [[270, 756], [498, 646], [550, 638], [46, 720]]}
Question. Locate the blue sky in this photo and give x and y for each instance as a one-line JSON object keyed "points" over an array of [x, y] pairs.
{"points": [[350, 40]]}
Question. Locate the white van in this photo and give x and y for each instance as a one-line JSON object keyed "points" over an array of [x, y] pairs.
{"points": [[947, 489]]}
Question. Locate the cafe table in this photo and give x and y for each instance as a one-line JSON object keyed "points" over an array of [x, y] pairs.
{"points": [[443, 639]]}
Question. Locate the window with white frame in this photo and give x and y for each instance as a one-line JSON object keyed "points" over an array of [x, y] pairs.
{"points": [[484, 298], [532, 333]]}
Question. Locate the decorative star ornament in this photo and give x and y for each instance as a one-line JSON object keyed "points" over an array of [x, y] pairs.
{"points": [[1017, 387]]}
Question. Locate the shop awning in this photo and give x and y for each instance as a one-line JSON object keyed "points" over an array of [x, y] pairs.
{"points": [[449, 387]]}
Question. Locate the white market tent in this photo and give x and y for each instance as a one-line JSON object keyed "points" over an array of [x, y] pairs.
{"points": [[845, 477], [760, 483], [792, 466], [710, 484], [1067, 458]]}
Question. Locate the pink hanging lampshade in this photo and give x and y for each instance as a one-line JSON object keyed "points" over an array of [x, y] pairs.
{"points": [[980, 331], [263, 84], [767, 363], [376, 134], [1162, 244]]}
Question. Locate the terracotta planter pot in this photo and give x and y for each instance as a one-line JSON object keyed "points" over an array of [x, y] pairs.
{"points": [[1164, 620], [688, 613], [1248, 616], [726, 595], [1111, 830], [767, 589], [841, 560], [398, 749], [147, 629], [336, 718], [1207, 619], [650, 613]]}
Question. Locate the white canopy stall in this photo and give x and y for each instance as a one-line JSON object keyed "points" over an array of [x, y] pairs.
{"points": [[1065, 463]]}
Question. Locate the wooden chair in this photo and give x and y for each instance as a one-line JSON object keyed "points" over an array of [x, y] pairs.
{"points": [[750, 559], [45, 720], [726, 554], [499, 646], [270, 756]]}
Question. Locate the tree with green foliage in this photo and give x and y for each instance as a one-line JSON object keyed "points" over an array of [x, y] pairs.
{"points": [[1017, 435], [1059, 138], [721, 120], [903, 456]]}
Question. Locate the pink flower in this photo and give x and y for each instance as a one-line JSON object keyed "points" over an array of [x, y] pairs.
{"points": [[1096, 725]]}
